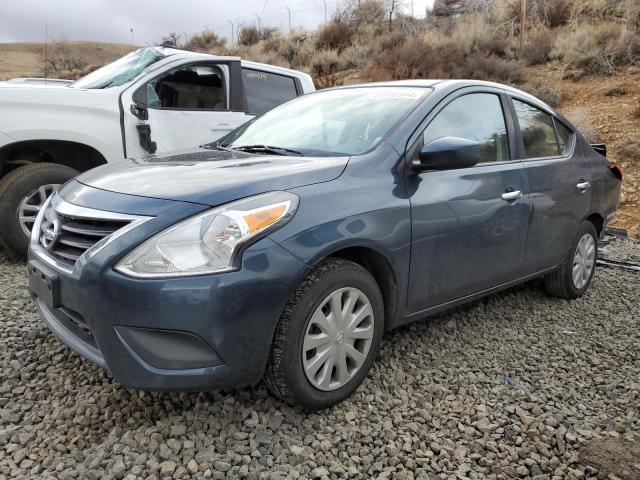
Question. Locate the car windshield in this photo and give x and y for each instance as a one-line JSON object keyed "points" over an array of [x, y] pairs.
{"points": [[121, 71], [347, 121]]}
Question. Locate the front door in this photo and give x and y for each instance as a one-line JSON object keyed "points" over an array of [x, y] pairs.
{"points": [[560, 185], [183, 108], [469, 226]]}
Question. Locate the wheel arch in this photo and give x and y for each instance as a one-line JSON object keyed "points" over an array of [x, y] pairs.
{"points": [[380, 268], [597, 220], [76, 155]]}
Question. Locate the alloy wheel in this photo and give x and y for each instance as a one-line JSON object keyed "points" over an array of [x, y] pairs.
{"points": [[338, 338], [32, 204], [584, 260]]}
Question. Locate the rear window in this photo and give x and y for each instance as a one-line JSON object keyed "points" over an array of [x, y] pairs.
{"points": [[538, 133], [266, 90]]}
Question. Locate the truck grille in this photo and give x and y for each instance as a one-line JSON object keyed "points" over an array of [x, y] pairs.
{"points": [[66, 231]]}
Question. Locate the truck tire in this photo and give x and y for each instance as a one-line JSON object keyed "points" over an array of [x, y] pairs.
{"points": [[22, 193]]}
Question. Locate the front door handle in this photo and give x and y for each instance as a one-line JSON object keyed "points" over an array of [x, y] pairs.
{"points": [[512, 195], [583, 186]]}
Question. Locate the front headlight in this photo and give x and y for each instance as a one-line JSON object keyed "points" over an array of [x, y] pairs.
{"points": [[209, 242]]}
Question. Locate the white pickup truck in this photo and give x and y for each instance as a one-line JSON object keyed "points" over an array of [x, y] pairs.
{"points": [[153, 100]]}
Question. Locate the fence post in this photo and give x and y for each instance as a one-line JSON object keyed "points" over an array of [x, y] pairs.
{"points": [[523, 18]]}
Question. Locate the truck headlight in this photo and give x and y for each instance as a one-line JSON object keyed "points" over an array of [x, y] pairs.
{"points": [[211, 241]]}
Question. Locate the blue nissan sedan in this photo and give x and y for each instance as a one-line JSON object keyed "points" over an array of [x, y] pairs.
{"points": [[285, 250]]}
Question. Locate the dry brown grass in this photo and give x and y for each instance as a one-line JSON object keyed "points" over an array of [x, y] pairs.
{"points": [[27, 59]]}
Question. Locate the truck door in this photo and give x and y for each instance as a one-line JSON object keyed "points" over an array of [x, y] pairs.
{"points": [[182, 108]]}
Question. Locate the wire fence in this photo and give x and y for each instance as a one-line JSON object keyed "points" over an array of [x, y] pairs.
{"points": [[302, 15]]}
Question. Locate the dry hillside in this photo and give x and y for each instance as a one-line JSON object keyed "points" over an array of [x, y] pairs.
{"points": [[27, 59]]}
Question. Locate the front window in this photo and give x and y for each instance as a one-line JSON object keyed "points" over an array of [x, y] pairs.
{"points": [[334, 122], [478, 117], [194, 87], [121, 71]]}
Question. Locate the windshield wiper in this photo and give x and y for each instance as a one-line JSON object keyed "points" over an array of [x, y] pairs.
{"points": [[267, 149]]}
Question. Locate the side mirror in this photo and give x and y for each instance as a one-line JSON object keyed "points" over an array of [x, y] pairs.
{"points": [[447, 153]]}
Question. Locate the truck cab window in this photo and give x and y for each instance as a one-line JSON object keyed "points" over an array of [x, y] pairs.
{"points": [[189, 88], [266, 90]]}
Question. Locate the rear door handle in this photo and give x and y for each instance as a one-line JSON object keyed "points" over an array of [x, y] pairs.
{"points": [[583, 186], [511, 196]]}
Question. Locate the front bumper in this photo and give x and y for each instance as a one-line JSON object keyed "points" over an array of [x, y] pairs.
{"points": [[191, 333]]}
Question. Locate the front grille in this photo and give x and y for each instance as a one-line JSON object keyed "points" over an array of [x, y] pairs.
{"points": [[66, 235], [77, 235]]}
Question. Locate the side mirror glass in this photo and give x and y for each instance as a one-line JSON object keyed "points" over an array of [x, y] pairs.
{"points": [[140, 96], [447, 153]]}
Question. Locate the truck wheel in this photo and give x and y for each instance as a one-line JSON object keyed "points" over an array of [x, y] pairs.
{"points": [[327, 336], [22, 193], [574, 275]]}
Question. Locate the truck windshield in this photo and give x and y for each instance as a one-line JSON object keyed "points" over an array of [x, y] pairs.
{"points": [[121, 71], [348, 121]]}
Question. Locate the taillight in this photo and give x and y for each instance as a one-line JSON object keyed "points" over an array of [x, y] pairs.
{"points": [[616, 170]]}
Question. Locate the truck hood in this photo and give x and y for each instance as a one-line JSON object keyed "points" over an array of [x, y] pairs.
{"points": [[211, 177], [39, 96]]}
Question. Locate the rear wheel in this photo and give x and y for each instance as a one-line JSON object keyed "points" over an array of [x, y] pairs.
{"points": [[327, 337], [574, 275], [22, 193]]}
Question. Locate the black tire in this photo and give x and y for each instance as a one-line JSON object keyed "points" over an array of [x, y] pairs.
{"points": [[14, 187], [285, 376], [560, 283]]}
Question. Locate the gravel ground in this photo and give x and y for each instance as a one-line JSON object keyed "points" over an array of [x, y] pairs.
{"points": [[516, 385]]}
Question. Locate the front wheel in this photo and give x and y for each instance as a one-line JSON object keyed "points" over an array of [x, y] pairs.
{"points": [[22, 193], [574, 275], [327, 337]]}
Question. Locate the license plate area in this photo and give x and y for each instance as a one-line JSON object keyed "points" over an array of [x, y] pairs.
{"points": [[43, 282]]}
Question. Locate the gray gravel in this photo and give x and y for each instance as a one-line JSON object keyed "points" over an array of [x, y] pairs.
{"points": [[515, 385]]}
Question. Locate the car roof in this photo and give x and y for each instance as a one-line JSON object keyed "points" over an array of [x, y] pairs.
{"points": [[454, 85]]}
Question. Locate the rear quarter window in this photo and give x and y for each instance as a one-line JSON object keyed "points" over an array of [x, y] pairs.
{"points": [[265, 90], [564, 137]]}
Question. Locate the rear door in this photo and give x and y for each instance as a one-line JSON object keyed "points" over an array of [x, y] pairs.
{"points": [[466, 237], [184, 107], [559, 181]]}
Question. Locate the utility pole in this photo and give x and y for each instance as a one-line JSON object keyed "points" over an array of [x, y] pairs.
{"points": [[289, 12], [46, 36], [325, 10], [232, 37], [131, 30], [523, 18]]}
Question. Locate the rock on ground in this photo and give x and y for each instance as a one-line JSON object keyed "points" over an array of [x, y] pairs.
{"points": [[517, 384]]}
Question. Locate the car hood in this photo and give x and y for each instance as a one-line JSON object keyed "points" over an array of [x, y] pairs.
{"points": [[211, 177]]}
